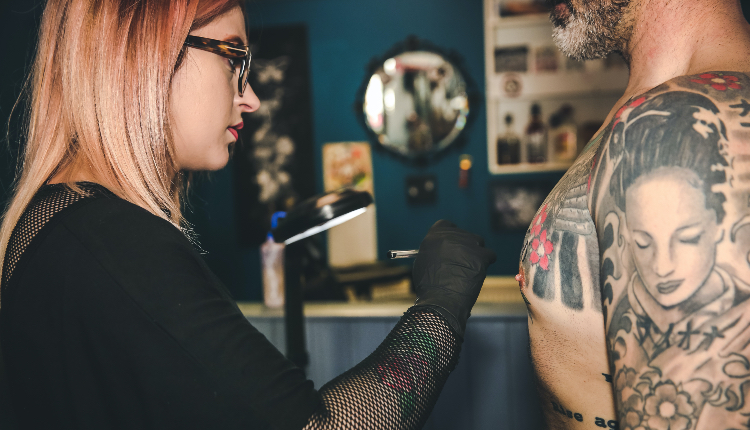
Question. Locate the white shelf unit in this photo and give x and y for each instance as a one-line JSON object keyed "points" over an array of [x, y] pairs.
{"points": [[591, 87]]}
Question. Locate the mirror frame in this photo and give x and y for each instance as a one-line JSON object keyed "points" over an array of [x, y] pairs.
{"points": [[413, 43]]}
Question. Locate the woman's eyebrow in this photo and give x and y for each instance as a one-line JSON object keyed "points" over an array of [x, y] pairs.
{"points": [[697, 224], [642, 232], [234, 39]]}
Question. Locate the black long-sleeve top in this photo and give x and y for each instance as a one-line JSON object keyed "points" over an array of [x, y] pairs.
{"points": [[109, 319]]}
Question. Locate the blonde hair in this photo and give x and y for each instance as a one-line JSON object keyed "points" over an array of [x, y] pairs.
{"points": [[99, 100]]}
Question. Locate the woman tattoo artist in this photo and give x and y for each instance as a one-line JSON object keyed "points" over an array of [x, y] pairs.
{"points": [[110, 318]]}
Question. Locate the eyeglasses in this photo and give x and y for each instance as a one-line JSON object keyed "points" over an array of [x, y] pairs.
{"points": [[232, 51]]}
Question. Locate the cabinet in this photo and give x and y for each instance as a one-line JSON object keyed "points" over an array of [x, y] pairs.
{"points": [[523, 67]]}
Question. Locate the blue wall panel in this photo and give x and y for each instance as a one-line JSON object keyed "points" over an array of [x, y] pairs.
{"points": [[491, 388]]}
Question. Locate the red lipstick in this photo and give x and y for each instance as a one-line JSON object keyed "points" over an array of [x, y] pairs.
{"points": [[234, 129]]}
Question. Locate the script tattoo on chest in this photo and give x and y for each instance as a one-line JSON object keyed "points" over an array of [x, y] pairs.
{"points": [[669, 193], [570, 415]]}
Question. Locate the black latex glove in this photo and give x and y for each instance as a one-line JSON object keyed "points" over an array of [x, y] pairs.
{"points": [[449, 272]]}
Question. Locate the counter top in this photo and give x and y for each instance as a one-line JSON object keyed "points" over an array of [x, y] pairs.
{"points": [[384, 309], [499, 297]]}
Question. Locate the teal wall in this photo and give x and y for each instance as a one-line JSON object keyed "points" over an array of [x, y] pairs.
{"points": [[343, 36]]}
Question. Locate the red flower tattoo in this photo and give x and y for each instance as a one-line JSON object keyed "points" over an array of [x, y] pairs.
{"points": [[542, 249], [719, 81], [536, 223]]}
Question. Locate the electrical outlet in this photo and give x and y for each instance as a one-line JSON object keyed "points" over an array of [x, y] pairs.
{"points": [[421, 190]]}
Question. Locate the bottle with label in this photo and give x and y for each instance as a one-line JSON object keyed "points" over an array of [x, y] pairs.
{"points": [[536, 137], [563, 135], [508, 144], [272, 262]]}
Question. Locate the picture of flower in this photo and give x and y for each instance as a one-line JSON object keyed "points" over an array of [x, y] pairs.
{"points": [[347, 164], [542, 249], [719, 81]]}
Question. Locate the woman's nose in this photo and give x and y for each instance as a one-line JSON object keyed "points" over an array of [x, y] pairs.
{"points": [[663, 263], [249, 102]]}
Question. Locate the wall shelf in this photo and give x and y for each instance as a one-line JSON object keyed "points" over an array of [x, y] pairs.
{"points": [[523, 67]]}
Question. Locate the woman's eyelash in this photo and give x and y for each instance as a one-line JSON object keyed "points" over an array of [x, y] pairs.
{"points": [[692, 240], [642, 246]]}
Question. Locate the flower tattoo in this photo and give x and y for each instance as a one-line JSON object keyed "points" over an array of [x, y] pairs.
{"points": [[542, 249], [719, 81], [650, 404], [667, 408], [536, 223]]}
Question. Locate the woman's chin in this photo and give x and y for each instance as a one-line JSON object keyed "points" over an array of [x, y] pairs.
{"points": [[208, 164]]}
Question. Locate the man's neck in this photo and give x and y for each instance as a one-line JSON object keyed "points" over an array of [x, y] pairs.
{"points": [[672, 38]]}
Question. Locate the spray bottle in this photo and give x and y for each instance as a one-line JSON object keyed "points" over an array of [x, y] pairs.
{"points": [[272, 261]]}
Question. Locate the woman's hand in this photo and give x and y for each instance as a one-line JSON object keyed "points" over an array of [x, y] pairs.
{"points": [[449, 272]]}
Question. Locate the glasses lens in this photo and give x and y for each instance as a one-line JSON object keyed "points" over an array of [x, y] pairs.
{"points": [[244, 74]]}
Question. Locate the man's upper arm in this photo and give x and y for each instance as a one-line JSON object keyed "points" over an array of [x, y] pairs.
{"points": [[669, 196]]}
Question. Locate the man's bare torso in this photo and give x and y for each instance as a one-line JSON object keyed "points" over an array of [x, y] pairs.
{"points": [[632, 289], [560, 266]]}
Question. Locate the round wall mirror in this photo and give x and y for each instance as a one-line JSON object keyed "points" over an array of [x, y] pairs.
{"points": [[416, 100]]}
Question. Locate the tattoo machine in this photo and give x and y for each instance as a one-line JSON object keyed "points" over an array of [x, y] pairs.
{"points": [[411, 253]]}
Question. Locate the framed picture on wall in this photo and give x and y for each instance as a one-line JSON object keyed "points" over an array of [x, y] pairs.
{"points": [[513, 204], [272, 161]]}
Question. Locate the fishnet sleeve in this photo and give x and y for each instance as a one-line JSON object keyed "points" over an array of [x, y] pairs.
{"points": [[396, 386]]}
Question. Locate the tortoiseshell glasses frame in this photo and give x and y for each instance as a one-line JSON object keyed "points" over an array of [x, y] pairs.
{"points": [[232, 51]]}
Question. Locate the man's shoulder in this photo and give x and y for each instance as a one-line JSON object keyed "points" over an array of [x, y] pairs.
{"points": [[715, 95], [703, 112], [720, 86]]}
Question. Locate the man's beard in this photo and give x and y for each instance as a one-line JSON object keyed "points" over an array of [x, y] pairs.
{"points": [[594, 31]]}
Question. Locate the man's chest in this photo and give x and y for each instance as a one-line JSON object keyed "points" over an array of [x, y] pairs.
{"points": [[559, 258], [560, 266]]}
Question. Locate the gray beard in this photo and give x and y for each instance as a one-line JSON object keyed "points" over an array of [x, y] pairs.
{"points": [[593, 33]]}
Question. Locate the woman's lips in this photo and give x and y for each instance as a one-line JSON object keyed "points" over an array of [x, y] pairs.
{"points": [[234, 129], [668, 287]]}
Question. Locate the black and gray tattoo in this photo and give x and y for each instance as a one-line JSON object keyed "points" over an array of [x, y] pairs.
{"points": [[561, 242], [670, 196]]}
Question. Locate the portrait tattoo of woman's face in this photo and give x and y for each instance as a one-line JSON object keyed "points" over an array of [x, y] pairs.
{"points": [[663, 185]]}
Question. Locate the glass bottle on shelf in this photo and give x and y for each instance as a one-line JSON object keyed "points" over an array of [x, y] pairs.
{"points": [[563, 138], [508, 144], [536, 137]]}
